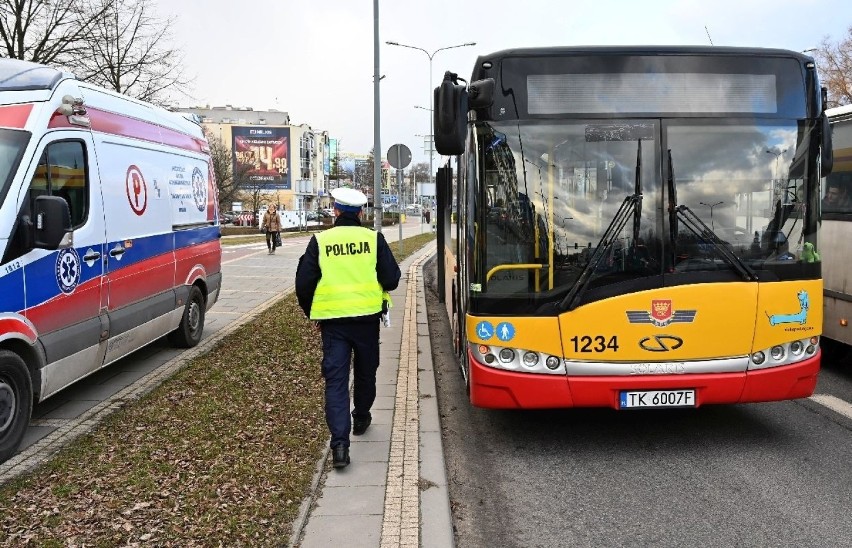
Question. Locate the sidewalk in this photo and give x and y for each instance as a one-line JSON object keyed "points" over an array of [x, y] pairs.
{"points": [[396, 486]]}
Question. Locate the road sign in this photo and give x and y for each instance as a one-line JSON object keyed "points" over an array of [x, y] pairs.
{"points": [[399, 156]]}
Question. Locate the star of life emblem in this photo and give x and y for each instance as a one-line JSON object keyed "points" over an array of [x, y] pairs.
{"points": [[662, 313], [199, 189], [67, 270]]}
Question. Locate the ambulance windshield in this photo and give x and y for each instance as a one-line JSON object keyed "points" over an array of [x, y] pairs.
{"points": [[12, 145]]}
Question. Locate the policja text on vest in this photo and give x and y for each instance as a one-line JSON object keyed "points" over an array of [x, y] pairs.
{"points": [[351, 248]]}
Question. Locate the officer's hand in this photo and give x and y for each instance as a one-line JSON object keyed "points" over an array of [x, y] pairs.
{"points": [[317, 326]]}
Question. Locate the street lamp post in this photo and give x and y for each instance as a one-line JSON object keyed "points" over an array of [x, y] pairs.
{"points": [[431, 98], [377, 148], [711, 206], [430, 143], [777, 153]]}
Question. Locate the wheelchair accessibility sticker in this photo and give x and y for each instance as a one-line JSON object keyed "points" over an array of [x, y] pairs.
{"points": [[484, 330], [505, 331]]}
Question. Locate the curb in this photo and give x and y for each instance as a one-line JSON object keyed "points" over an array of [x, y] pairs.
{"points": [[435, 513]]}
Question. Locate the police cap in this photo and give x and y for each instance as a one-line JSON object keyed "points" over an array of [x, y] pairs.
{"points": [[348, 199]]}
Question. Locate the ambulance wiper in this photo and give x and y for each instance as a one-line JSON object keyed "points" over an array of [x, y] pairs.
{"points": [[691, 221], [627, 208]]}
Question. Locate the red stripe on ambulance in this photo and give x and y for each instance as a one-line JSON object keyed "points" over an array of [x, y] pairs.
{"points": [[11, 326], [15, 115], [125, 126]]}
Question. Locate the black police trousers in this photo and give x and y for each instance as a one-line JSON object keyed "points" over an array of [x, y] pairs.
{"points": [[339, 341]]}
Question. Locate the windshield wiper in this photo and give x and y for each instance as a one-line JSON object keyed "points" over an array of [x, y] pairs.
{"points": [[632, 205], [700, 229], [691, 221], [672, 207], [637, 191], [628, 206]]}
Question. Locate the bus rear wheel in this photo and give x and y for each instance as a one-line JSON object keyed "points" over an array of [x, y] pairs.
{"points": [[16, 402]]}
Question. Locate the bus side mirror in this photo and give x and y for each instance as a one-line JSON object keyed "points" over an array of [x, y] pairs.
{"points": [[51, 223], [826, 150], [481, 94], [450, 117]]}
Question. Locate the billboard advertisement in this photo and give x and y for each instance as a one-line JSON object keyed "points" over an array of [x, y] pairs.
{"points": [[326, 163], [262, 156]]}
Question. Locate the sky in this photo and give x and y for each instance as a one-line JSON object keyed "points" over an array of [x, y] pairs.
{"points": [[315, 60]]}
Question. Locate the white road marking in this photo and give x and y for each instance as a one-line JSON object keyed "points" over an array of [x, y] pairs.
{"points": [[835, 404]]}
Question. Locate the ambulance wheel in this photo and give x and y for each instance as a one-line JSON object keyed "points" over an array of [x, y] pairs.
{"points": [[188, 333], [16, 402]]}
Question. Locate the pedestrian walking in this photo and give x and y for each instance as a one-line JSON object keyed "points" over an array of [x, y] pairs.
{"points": [[271, 224], [340, 281]]}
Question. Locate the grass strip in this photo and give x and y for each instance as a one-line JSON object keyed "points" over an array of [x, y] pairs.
{"points": [[220, 454]]}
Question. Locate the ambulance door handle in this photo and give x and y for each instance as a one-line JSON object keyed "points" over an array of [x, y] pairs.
{"points": [[93, 256], [117, 251]]}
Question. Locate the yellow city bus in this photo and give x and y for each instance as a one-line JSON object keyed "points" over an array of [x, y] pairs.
{"points": [[633, 227], [835, 235]]}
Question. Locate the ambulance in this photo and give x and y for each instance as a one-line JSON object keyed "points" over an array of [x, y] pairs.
{"points": [[109, 234]]}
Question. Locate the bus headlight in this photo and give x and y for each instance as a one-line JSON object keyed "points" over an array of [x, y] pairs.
{"points": [[519, 360], [784, 354], [796, 348]]}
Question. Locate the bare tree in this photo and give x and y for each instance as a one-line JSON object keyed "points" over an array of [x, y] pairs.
{"points": [[367, 182], [834, 62], [421, 171], [228, 183], [256, 196], [336, 171], [131, 54], [48, 31], [231, 180]]}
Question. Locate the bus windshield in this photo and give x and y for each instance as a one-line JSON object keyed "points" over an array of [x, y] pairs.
{"points": [[614, 205]]}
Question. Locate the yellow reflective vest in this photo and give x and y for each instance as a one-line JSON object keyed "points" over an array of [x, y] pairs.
{"points": [[348, 286]]}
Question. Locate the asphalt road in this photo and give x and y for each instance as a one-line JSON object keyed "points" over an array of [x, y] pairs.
{"points": [[773, 474]]}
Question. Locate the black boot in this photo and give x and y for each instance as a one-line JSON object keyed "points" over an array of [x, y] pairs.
{"points": [[340, 456], [360, 424]]}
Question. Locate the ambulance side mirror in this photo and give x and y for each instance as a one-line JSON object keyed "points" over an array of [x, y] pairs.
{"points": [[51, 223]]}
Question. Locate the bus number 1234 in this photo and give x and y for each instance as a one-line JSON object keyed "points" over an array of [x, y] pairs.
{"points": [[599, 343]]}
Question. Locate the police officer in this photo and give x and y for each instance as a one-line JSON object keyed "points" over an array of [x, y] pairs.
{"points": [[339, 283]]}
